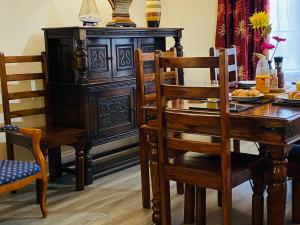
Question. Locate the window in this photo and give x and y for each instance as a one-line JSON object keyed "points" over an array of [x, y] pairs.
{"points": [[285, 19]]}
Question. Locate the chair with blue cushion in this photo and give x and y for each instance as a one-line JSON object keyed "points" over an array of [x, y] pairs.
{"points": [[16, 174]]}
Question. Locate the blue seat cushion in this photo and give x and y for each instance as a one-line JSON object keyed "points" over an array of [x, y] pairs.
{"points": [[13, 170]]}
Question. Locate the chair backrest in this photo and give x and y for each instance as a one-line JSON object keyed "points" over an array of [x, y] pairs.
{"points": [[191, 121], [232, 69], [144, 80], [9, 96]]}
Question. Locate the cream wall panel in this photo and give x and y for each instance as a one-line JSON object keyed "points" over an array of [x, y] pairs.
{"points": [[198, 18]]}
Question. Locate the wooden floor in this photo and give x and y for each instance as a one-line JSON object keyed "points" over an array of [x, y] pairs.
{"points": [[112, 200]]}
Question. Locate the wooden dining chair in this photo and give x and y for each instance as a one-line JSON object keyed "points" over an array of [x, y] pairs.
{"points": [[204, 164], [233, 81], [146, 97], [293, 170], [232, 68], [16, 174], [53, 137]]}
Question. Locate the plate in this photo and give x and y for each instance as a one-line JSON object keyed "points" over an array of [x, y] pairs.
{"points": [[275, 90], [286, 98], [246, 83], [247, 98]]}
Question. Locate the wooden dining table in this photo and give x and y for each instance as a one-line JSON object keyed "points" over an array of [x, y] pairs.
{"points": [[275, 128]]}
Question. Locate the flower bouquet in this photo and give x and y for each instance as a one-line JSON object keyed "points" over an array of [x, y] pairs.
{"points": [[260, 23]]}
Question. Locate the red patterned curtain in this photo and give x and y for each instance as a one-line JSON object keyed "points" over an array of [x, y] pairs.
{"points": [[233, 29]]}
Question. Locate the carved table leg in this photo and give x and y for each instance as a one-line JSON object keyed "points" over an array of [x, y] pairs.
{"points": [[144, 163], [88, 162], [79, 162], [277, 187], [156, 217]]}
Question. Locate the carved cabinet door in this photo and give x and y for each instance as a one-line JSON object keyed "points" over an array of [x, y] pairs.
{"points": [[111, 111], [150, 45], [99, 58], [123, 56]]}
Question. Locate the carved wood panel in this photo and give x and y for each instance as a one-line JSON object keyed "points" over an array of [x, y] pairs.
{"points": [[123, 56], [99, 58], [114, 111], [111, 110]]}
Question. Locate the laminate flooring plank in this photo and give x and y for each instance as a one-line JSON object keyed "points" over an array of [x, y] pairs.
{"points": [[115, 200]]}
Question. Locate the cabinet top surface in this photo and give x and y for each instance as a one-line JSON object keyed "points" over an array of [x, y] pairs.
{"points": [[113, 28]]}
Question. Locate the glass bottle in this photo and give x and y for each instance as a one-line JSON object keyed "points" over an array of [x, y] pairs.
{"points": [[263, 76], [280, 75]]}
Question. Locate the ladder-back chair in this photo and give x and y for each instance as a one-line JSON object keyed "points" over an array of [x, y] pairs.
{"points": [[204, 164], [53, 137], [146, 107]]}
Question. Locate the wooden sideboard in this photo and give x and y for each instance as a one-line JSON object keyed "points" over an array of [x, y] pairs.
{"points": [[92, 85]]}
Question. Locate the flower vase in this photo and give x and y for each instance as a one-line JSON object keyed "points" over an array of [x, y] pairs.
{"points": [[153, 13], [278, 67], [273, 76]]}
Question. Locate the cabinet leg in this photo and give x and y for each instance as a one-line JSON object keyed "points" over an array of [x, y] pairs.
{"points": [[88, 162], [79, 161]]}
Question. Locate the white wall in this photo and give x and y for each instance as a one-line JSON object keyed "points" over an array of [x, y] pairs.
{"points": [[198, 18], [21, 22]]}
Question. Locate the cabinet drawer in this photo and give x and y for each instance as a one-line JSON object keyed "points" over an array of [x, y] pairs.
{"points": [[111, 111]]}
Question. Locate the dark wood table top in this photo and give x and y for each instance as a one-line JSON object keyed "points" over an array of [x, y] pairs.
{"points": [[265, 123]]}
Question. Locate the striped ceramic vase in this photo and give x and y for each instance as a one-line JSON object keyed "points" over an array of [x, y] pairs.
{"points": [[153, 13]]}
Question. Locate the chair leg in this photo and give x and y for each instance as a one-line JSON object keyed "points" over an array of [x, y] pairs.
{"points": [[165, 202], [236, 145], [38, 194], [200, 206], [10, 151], [144, 165], [43, 185], [258, 201], [54, 157], [226, 205], [219, 199], [180, 188], [189, 203], [296, 200]]}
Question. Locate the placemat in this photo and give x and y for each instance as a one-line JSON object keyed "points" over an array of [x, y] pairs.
{"points": [[233, 107], [281, 102], [258, 101]]}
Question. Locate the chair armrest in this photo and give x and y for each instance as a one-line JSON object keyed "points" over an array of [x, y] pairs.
{"points": [[35, 135]]}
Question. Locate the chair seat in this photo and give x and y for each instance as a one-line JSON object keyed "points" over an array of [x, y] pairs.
{"points": [[53, 136], [12, 170], [242, 165]]}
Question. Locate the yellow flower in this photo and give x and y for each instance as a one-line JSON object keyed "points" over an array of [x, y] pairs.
{"points": [[259, 20]]}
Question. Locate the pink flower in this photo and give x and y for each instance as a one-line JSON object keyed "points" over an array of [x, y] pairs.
{"points": [[279, 39], [267, 46]]}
